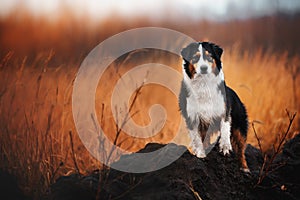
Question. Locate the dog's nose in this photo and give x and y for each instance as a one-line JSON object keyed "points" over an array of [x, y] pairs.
{"points": [[203, 68]]}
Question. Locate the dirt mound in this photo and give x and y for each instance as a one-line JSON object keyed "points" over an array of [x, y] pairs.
{"points": [[9, 188], [214, 177]]}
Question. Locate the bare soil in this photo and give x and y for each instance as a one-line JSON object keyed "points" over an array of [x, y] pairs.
{"points": [[214, 177]]}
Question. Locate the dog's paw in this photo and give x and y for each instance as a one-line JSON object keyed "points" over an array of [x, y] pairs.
{"points": [[225, 147], [245, 170], [200, 154]]}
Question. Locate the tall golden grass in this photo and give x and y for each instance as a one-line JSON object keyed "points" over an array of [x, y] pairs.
{"points": [[38, 139]]}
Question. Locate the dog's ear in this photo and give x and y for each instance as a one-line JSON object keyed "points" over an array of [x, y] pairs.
{"points": [[218, 50], [184, 53], [188, 52]]}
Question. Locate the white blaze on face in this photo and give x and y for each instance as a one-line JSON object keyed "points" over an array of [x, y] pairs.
{"points": [[203, 63]]}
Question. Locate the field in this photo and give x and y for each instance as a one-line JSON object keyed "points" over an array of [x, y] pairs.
{"points": [[40, 59]]}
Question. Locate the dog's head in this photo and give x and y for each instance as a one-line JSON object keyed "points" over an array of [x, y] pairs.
{"points": [[201, 58]]}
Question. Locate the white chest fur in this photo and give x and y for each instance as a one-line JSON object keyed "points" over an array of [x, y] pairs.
{"points": [[205, 98]]}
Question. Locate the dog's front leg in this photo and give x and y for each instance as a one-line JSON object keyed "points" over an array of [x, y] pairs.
{"points": [[196, 143], [225, 144]]}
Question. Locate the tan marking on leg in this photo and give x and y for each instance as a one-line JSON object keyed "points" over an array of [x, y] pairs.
{"points": [[239, 147]]}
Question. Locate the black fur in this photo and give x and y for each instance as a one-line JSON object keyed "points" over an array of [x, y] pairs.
{"points": [[238, 113]]}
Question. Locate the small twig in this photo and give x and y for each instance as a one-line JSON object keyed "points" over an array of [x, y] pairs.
{"points": [[282, 139], [73, 153], [103, 175], [196, 194], [256, 136], [103, 172], [55, 172], [278, 166], [127, 117], [261, 171], [266, 168]]}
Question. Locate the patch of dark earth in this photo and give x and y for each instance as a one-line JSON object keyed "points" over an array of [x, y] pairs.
{"points": [[214, 177]]}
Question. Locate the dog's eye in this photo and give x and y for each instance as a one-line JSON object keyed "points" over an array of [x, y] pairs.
{"points": [[210, 59], [208, 56], [195, 59]]}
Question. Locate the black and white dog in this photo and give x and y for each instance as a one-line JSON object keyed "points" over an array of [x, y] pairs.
{"points": [[208, 105]]}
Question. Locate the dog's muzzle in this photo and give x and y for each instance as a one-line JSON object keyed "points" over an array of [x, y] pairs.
{"points": [[203, 69]]}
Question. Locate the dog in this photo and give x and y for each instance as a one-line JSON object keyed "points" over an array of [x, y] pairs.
{"points": [[208, 105]]}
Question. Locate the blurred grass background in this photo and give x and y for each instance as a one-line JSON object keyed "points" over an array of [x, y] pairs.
{"points": [[39, 59]]}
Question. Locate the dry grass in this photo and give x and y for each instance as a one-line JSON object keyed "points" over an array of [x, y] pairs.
{"points": [[38, 139], [266, 87], [36, 118]]}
